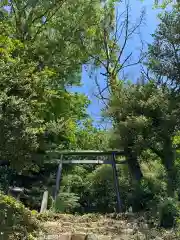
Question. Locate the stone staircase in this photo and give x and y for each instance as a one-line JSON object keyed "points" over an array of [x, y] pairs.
{"points": [[89, 227]]}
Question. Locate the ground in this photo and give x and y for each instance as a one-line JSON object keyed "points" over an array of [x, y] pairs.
{"points": [[104, 227]]}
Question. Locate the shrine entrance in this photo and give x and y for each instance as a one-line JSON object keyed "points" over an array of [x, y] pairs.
{"points": [[99, 157]]}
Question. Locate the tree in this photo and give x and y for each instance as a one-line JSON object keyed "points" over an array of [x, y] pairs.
{"points": [[90, 137], [35, 117], [165, 3], [51, 31], [113, 37], [163, 67], [128, 127], [147, 117], [164, 53], [41, 57]]}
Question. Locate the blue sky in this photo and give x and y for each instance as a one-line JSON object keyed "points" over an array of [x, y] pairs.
{"points": [[151, 21]]}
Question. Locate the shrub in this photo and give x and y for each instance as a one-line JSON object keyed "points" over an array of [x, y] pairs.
{"points": [[17, 222], [168, 211], [140, 197], [143, 196], [66, 202], [100, 188]]}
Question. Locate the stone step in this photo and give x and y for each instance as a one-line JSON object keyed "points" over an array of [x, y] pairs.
{"points": [[73, 236], [95, 227], [100, 229], [64, 228], [82, 220]]}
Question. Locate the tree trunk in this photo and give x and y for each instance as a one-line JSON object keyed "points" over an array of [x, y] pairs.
{"points": [[133, 165], [168, 162]]}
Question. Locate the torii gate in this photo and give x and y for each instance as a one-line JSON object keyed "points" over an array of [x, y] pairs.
{"points": [[111, 159]]}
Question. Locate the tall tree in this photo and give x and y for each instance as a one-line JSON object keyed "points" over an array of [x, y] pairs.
{"points": [[49, 34], [41, 55], [117, 28], [164, 68], [164, 53], [147, 118]]}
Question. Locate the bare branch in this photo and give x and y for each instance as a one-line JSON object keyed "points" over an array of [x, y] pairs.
{"points": [[125, 60], [133, 64], [136, 26], [125, 38], [105, 42], [128, 33], [145, 73], [100, 92], [118, 30]]}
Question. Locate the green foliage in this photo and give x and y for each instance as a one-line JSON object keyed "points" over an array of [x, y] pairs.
{"points": [[141, 196], [53, 32], [163, 54], [93, 186], [138, 110], [38, 62], [101, 189], [169, 212], [17, 222], [6, 175], [43, 45], [66, 202], [90, 137], [146, 116], [163, 4]]}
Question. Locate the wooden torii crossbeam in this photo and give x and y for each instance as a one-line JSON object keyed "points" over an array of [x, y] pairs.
{"points": [[111, 160]]}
